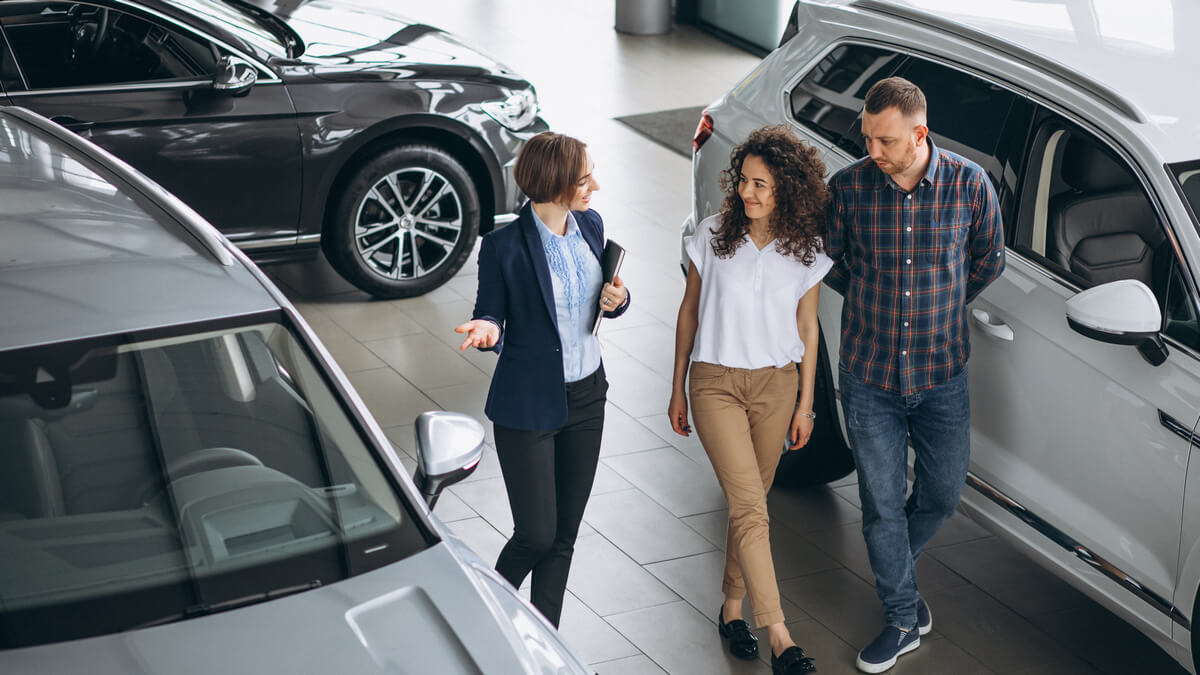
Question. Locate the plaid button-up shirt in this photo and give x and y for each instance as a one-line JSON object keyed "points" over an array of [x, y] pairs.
{"points": [[907, 264]]}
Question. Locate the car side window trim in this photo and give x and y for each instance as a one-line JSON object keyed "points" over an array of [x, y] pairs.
{"points": [[786, 95], [110, 88], [267, 75], [11, 54], [991, 79]]}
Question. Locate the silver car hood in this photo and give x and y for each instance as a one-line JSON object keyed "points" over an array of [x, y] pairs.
{"points": [[429, 613]]}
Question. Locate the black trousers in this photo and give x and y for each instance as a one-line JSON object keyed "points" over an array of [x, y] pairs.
{"points": [[548, 476]]}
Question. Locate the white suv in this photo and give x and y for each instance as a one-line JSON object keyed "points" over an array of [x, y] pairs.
{"points": [[1085, 374]]}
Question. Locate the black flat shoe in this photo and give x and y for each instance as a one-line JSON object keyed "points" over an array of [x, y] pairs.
{"points": [[742, 643], [793, 661]]}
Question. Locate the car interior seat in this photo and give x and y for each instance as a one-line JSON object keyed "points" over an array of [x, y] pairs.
{"points": [[1104, 228], [29, 482]]}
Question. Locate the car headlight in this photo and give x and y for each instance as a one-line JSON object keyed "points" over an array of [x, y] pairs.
{"points": [[543, 650], [548, 654], [515, 112]]}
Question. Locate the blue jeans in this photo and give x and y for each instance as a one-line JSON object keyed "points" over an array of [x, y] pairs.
{"points": [[879, 423]]}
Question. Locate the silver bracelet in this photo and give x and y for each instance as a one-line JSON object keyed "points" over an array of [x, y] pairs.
{"points": [[809, 415]]}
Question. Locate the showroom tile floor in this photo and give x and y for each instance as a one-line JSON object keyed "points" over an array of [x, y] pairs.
{"points": [[646, 580]]}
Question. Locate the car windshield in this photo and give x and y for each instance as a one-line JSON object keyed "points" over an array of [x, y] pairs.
{"points": [[1188, 175], [149, 481], [268, 34]]}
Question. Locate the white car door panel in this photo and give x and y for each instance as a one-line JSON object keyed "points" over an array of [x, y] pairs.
{"points": [[1070, 428]]}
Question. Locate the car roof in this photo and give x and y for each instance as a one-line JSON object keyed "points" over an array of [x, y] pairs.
{"points": [[92, 248], [1143, 53]]}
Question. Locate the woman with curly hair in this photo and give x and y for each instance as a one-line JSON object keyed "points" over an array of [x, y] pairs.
{"points": [[748, 312]]}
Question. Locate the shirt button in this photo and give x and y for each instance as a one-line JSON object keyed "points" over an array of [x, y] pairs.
{"points": [[906, 294], [904, 353], [908, 229], [906, 324], [908, 261], [908, 196]]}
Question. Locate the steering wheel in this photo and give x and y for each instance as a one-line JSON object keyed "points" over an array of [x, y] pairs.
{"points": [[194, 462], [89, 26]]}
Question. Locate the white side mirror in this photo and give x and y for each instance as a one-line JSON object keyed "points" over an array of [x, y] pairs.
{"points": [[1123, 312]]}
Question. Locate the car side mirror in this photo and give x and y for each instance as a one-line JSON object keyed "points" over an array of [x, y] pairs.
{"points": [[449, 447], [1123, 312], [234, 76]]}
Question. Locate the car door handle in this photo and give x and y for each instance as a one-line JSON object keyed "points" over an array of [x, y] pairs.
{"points": [[994, 327], [76, 125]]}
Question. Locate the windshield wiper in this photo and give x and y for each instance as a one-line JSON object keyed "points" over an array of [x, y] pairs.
{"points": [[204, 609]]}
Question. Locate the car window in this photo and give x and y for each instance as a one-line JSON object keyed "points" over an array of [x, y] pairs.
{"points": [[966, 115], [66, 44], [829, 97], [1086, 218], [150, 481], [270, 37]]}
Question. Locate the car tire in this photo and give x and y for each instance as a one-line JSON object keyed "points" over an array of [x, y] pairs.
{"points": [[826, 457], [405, 222], [1195, 635]]}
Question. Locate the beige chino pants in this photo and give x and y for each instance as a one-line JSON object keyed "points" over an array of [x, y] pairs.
{"points": [[742, 417]]}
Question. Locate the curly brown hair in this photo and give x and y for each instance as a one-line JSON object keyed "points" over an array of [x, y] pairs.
{"points": [[801, 197]]}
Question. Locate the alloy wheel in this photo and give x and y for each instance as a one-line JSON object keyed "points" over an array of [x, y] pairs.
{"points": [[408, 224]]}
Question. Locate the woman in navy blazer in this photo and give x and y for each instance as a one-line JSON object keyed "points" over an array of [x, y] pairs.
{"points": [[539, 286]]}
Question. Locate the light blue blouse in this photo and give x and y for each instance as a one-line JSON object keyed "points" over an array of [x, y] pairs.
{"points": [[575, 276]]}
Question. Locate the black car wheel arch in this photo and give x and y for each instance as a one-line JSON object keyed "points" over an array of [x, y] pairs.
{"points": [[405, 221]]}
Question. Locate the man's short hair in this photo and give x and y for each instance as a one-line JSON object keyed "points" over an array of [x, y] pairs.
{"points": [[549, 166], [896, 92]]}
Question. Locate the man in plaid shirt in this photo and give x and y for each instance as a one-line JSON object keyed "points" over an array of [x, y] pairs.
{"points": [[916, 234]]}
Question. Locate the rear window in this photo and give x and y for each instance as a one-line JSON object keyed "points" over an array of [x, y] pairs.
{"points": [[151, 480], [829, 98]]}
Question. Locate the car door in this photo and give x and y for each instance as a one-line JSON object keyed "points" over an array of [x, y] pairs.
{"points": [[140, 85], [1088, 436]]}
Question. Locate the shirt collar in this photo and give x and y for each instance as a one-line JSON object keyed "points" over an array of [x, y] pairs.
{"points": [[934, 161], [930, 173], [545, 233]]}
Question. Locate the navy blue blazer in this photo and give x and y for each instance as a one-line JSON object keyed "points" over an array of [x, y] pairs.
{"points": [[528, 391]]}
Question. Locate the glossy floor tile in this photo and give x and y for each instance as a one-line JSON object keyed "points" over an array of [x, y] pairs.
{"points": [[646, 579]]}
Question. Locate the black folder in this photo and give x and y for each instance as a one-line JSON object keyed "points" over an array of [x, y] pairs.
{"points": [[610, 265]]}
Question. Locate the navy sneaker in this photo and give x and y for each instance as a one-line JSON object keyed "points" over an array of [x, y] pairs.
{"points": [[924, 618], [883, 652]]}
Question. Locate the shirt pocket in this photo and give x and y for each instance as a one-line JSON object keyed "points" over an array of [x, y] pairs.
{"points": [[944, 241]]}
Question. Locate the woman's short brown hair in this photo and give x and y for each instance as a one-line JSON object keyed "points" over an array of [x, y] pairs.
{"points": [[549, 166]]}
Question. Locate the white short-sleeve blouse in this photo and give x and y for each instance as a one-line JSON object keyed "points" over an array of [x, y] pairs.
{"points": [[748, 302]]}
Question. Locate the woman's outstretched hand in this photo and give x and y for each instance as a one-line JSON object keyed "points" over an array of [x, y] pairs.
{"points": [[677, 410], [481, 333]]}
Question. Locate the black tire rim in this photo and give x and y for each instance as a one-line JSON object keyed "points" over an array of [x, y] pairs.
{"points": [[408, 224]]}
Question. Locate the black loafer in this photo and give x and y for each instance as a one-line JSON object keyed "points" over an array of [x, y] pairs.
{"points": [[793, 661], [742, 643]]}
